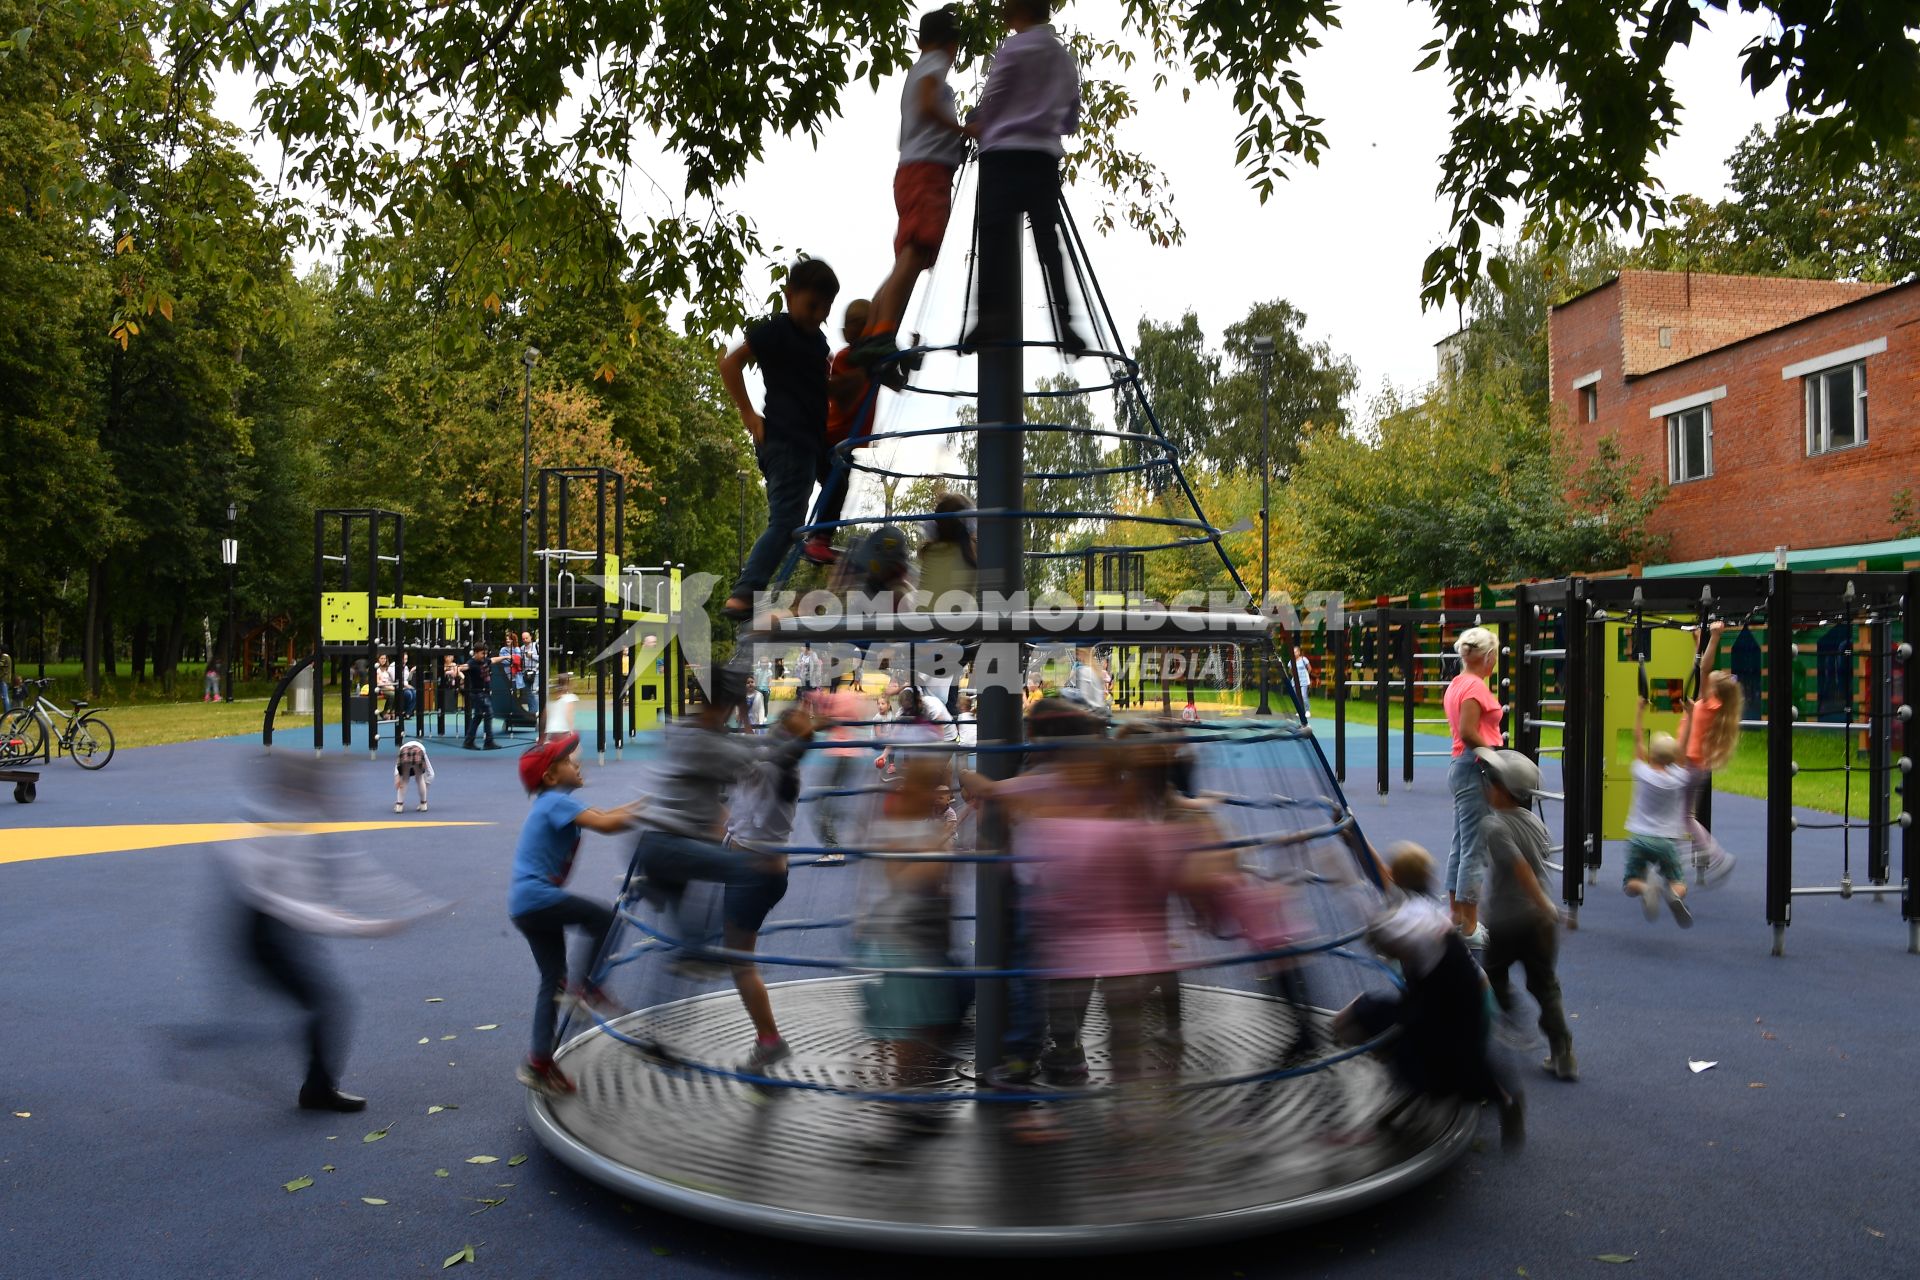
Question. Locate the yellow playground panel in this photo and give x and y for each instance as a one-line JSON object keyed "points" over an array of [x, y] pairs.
{"points": [[1669, 664]]}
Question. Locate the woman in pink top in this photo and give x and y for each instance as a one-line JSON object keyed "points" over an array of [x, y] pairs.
{"points": [[1473, 713]]}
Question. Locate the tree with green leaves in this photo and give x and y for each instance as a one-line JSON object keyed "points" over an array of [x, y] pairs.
{"points": [[1793, 213], [1464, 488], [527, 123]]}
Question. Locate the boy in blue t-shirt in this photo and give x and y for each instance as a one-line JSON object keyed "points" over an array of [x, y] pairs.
{"points": [[541, 909], [790, 437]]}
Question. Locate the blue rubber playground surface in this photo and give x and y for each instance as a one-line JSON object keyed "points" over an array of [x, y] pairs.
{"points": [[147, 1124]]}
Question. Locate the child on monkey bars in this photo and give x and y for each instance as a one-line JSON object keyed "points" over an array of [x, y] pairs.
{"points": [[1709, 729]]}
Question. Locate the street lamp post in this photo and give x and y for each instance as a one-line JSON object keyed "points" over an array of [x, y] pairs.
{"points": [[1263, 352], [526, 461], [230, 557]]}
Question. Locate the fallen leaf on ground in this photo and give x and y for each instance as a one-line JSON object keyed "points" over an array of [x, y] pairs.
{"points": [[504, 1185], [1696, 1065], [1756, 1085], [298, 1184], [465, 1255], [481, 1159], [24, 1115], [1768, 1035], [376, 1135], [517, 1160], [442, 1173], [1612, 1257], [663, 1251], [449, 1037], [421, 1040], [435, 1000], [371, 1200], [326, 1168], [1877, 1235], [485, 1205], [491, 1026], [435, 1110]]}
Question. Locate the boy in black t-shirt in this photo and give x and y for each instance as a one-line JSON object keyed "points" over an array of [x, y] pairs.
{"points": [[790, 435], [479, 680]]}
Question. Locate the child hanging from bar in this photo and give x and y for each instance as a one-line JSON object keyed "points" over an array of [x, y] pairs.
{"points": [[1710, 730], [1656, 823]]}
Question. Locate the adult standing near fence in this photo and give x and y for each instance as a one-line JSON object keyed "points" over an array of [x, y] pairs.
{"points": [[6, 679], [1303, 680], [1473, 715]]}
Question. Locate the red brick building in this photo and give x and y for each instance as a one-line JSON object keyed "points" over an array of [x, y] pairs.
{"points": [[1780, 412]]}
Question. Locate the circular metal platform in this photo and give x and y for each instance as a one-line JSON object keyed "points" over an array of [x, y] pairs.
{"points": [[1167, 1168]]}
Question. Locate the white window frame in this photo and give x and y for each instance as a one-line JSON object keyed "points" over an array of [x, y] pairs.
{"points": [[1819, 430], [1846, 355], [1676, 439], [1587, 384]]}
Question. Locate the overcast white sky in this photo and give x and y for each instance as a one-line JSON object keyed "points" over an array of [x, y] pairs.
{"points": [[1344, 241]]}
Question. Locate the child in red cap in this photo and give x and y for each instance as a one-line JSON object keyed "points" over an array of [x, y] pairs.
{"points": [[541, 909]]}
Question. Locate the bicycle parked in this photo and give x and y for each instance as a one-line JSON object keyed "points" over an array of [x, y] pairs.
{"points": [[24, 731]]}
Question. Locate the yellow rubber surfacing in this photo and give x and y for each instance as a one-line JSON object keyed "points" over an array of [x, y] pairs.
{"points": [[72, 842]]}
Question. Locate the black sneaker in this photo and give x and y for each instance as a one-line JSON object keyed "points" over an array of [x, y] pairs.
{"points": [[327, 1098], [1513, 1123]]}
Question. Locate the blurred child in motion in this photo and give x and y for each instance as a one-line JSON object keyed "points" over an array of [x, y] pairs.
{"points": [[842, 707], [760, 820], [909, 925], [1441, 1015], [1656, 823], [290, 889]]}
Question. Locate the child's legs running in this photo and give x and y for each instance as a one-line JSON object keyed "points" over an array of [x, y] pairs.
{"points": [[1126, 1000], [747, 906]]}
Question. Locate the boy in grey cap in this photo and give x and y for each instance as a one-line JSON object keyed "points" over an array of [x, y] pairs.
{"points": [[1522, 921]]}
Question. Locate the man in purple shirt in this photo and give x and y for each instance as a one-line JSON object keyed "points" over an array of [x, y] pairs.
{"points": [[1032, 98]]}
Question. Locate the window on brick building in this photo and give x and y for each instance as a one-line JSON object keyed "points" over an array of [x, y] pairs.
{"points": [[1837, 408], [1690, 444], [1589, 403]]}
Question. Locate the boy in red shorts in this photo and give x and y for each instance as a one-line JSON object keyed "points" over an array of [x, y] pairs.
{"points": [[932, 145]]}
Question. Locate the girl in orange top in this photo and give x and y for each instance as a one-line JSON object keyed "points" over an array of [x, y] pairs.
{"points": [[1710, 730]]}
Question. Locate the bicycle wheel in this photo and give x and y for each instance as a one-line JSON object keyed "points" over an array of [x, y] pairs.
{"points": [[20, 735], [92, 743]]}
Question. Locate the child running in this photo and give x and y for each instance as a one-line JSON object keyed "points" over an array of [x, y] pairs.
{"points": [[790, 435], [412, 762], [1523, 925], [542, 910], [1656, 823], [1710, 728]]}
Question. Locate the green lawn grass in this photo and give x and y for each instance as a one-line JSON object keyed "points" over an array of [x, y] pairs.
{"points": [[155, 723]]}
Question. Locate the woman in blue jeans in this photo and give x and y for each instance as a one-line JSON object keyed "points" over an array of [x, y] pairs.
{"points": [[1473, 714]]}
